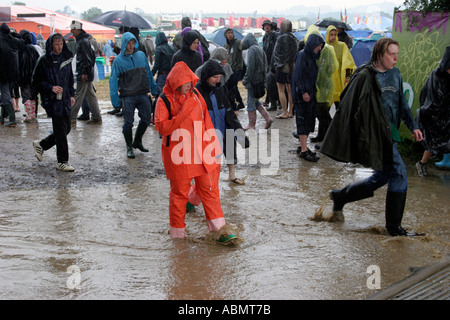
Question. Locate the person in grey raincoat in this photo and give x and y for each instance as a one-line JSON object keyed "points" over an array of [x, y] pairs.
{"points": [[364, 130], [255, 75]]}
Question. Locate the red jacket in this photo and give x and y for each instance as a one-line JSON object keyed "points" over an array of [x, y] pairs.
{"points": [[194, 148]]}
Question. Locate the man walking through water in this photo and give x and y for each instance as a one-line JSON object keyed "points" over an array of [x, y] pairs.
{"points": [[364, 130]]}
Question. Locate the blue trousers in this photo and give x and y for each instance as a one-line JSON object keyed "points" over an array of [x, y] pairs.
{"points": [[394, 175], [140, 102]]}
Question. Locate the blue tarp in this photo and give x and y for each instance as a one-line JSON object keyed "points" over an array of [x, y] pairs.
{"points": [[360, 33], [362, 50], [218, 36], [300, 34]]}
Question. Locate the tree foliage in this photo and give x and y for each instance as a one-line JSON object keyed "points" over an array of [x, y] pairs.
{"points": [[425, 6], [91, 13]]}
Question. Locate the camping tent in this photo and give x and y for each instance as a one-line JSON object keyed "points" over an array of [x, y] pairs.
{"points": [[362, 50], [218, 36]]}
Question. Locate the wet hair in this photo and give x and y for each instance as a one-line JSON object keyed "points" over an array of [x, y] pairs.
{"points": [[380, 48], [57, 36], [286, 26]]}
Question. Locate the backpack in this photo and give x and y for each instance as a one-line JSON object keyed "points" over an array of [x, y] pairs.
{"points": [[167, 103]]}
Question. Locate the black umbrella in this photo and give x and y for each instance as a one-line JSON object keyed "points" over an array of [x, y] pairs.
{"points": [[324, 23], [119, 18]]}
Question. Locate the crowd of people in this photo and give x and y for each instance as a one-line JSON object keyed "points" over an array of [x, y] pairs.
{"points": [[193, 86]]}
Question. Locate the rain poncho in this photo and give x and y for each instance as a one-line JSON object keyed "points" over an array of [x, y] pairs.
{"points": [[360, 131], [163, 54], [27, 59], [345, 60], [256, 62], [327, 64], [433, 115], [284, 52]]}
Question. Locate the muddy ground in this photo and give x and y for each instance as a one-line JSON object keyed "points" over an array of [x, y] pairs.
{"points": [[101, 231]]}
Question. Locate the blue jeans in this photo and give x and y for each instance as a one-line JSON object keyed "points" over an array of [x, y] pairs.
{"points": [[161, 81], [140, 102], [252, 102], [394, 175]]}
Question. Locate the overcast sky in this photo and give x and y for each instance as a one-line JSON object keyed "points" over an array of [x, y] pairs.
{"points": [[209, 6]]}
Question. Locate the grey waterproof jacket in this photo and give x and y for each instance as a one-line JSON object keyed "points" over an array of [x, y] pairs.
{"points": [[256, 62]]}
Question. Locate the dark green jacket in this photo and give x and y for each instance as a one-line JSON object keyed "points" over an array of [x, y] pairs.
{"points": [[360, 131]]}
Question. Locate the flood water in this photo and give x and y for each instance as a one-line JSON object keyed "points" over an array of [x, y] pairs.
{"points": [[102, 231]]}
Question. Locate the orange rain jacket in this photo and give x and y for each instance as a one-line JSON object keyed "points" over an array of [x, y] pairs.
{"points": [[194, 148]]}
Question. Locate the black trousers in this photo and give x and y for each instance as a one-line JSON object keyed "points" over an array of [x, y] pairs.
{"points": [[61, 128]]}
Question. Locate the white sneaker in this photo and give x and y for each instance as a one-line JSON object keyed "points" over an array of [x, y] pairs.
{"points": [[65, 167], [38, 151]]}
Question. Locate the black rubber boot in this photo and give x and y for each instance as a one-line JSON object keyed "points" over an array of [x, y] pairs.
{"points": [[128, 135], [11, 114], [395, 206], [352, 192], [137, 143]]}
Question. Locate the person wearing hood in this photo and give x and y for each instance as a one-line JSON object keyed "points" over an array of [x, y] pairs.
{"points": [[223, 117], [346, 63], [130, 81], [9, 72], [222, 114], [327, 65], [433, 115], [304, 90], [234, 47], [27, 61], [188, 52], [364, 130], [203, 45], [190, 150], [269, 41], [53, 79], [282, 65], [149, 48], [163, 60], [85, 75], [255, 74]]}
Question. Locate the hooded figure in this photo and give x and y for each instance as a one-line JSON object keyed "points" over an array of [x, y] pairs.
{"points": [[27, 61], [282, 65], [163, 60], [53, 78], [304, 89], [433, 115], [255, 76], [346, 63], [327, 65], [9, 72], [188, 52], [223, 117], [130, 82], [45, 76], [184, 116]]}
